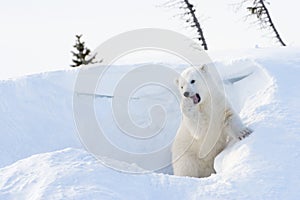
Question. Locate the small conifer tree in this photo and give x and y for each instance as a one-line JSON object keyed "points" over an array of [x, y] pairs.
{"points": [[82, 56], [260, 11]]}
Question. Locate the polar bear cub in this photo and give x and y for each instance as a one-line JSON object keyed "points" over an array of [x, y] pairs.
{"points": [[208, 125]]}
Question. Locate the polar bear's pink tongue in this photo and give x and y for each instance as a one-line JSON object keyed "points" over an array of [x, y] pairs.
{"points": [[196, 98]]}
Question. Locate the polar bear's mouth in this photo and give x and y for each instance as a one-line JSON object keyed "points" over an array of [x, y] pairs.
{"points": [[196, 98]]}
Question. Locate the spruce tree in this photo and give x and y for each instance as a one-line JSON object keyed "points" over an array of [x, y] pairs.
{"points": [[262, 14], [189, 14], [82, 54]]}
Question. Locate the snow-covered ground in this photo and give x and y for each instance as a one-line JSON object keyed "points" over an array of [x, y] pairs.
{"points": [[41, 156]]}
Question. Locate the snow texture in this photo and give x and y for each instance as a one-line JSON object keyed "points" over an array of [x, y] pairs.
{"points": [[42, 158]]}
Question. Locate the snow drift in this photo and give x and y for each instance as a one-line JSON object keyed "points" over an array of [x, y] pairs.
{"points": [[42, 158]]}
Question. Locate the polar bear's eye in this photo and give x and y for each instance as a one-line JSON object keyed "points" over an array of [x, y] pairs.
{"points": [[192, 81], [181, 87]]}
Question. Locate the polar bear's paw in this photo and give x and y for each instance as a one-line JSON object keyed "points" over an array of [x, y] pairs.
{"points": [[245, 133]]}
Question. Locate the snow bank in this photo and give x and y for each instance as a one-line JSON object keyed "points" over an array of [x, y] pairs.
{"points": [[37, 118], [75, 174], [36, 115]]}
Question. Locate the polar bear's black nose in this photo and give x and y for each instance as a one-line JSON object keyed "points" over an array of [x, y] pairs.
{"points": [[186, 94]]}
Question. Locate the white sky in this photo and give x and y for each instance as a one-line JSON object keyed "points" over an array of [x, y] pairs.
{"points": [[38, 35]]}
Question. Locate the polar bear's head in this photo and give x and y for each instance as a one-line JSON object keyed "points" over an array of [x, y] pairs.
{"points": [[192, 84]]}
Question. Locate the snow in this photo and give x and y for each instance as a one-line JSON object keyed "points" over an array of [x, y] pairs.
{"points": [[42, 157]]}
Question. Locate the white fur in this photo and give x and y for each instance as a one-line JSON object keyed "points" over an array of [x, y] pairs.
{"points": [[206, 128]]}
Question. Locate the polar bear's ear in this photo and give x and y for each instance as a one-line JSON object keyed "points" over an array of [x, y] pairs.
{"points": [[176, 81], [203, 68]]}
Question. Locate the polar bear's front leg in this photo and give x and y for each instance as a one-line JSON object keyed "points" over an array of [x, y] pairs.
{"points": [[192, 118], [245, 133], [188, 108], [235, 127]]}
